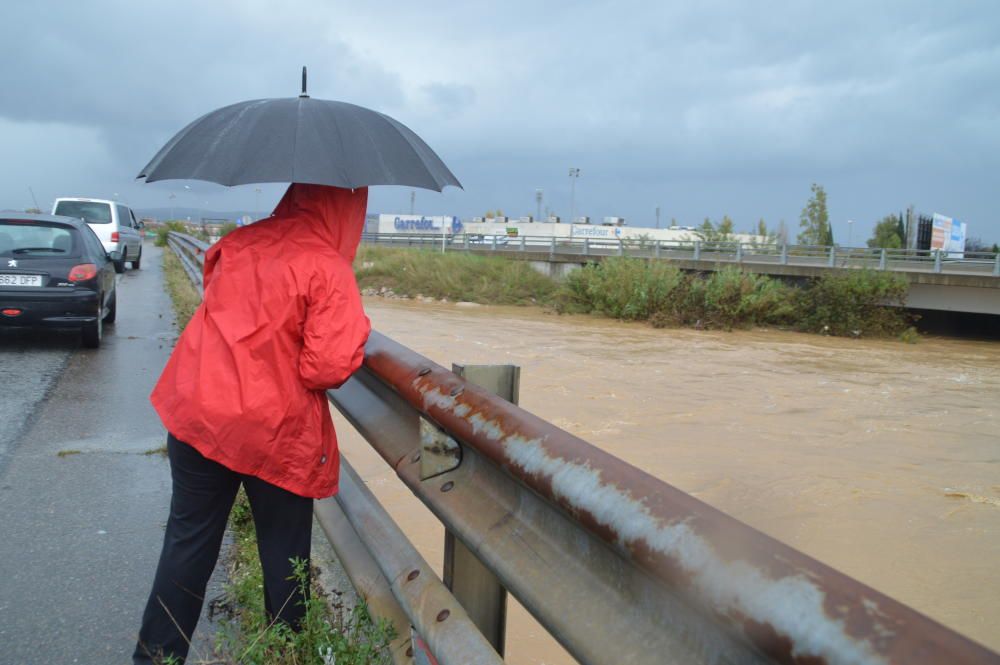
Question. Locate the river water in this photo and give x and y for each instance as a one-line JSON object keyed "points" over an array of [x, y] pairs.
{"points": [[879, 458]]}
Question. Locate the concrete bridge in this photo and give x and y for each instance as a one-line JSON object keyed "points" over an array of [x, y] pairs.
{"points": [[937, 282]]}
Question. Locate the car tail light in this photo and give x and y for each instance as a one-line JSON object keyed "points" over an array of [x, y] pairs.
{"points": [[114, 236], [83, 272], [11, 312]]}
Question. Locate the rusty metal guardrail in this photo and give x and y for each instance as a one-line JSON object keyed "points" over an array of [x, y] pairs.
{"points": [[617, 565]]}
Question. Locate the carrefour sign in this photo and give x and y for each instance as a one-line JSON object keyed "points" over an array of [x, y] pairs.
{"points": [[419, 224], [411, 224]]}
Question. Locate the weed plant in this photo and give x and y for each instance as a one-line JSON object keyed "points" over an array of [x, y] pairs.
{"points": [[854, 303], [165, 229], [329, 634]]}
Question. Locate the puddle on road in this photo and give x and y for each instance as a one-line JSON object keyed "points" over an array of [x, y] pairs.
{"points": [[878, 458]]}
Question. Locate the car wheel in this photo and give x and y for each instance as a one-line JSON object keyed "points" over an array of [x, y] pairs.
{"points": [[93, 333], [112, 308], [120, 265], [135, 264]]}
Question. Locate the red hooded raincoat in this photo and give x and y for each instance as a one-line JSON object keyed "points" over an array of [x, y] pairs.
{"points": [[281, 322]]}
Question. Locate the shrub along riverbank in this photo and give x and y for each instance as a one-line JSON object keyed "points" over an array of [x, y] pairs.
{"points": [[848, 303]]}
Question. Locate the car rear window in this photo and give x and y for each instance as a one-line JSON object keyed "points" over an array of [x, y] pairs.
{"points": [[92, 211], [30, 238]]}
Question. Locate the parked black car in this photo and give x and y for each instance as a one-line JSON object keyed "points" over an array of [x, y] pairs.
{"points": [[55, 273]]}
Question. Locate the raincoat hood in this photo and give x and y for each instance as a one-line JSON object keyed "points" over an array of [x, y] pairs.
{"points": [[336, 214]]}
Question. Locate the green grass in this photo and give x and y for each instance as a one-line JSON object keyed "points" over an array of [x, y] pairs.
{"points": [[184, 296], [455, 276]]}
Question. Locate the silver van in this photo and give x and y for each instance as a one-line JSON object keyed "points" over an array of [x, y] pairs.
{"points": [[114, 224]]}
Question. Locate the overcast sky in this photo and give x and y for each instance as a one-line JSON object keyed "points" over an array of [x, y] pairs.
{"points": [[704, 109]]}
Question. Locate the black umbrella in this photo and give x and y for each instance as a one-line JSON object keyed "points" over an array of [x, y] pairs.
{"points": [[299, 139]]}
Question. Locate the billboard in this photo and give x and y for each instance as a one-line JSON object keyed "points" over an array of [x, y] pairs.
{"points": [[419, 224], [948, 236]]}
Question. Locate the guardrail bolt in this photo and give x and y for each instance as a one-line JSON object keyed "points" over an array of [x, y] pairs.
{"points": [[447, 487], [414, 574], [415, 458], [443, 614]]}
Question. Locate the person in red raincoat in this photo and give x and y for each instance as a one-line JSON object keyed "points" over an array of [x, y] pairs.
{"points": [[243, 399]]}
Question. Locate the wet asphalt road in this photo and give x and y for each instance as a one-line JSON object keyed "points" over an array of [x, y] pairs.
{"points": [[81, 534]]}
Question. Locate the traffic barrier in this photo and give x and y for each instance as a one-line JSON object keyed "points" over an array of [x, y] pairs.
{"points": [[617, 565]]}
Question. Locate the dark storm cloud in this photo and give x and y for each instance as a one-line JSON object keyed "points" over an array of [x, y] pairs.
{"points": [[718, 108]]}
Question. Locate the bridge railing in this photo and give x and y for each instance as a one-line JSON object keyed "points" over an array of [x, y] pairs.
{"points": [[905, 260], [617, 565]]}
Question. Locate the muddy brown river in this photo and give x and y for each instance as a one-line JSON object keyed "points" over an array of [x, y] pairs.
{"points": [[881, 459]]}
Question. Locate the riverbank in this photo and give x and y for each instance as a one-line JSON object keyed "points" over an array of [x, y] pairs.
{"points": [[860, 303]]}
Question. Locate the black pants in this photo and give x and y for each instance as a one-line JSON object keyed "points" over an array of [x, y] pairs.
{"points": [[203, 495]]}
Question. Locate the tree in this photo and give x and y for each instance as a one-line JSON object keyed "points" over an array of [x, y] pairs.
{"points": [[815, 221], [717, 232], [36, 211], [886, 234], [725, 228], [996, 248], [762, 227]]}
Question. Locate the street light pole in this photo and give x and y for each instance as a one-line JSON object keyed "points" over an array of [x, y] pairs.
{"points": [[574, 173], [657, 216], [538, 204], [413, 198], [850, 228]]}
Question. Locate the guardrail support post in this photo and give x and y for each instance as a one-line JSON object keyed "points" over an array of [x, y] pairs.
{"points": [[656, 252], [586, 247], [465, 241], [784, 254], [881, 260], [474, 586], [621, 247], [996, 265], [523, 243], [937, 261], [833, 257], [739, 252], [697, 250], [552, 247], [493, 243]]}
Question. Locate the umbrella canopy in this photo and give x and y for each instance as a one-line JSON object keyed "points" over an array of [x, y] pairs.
{"points": [[299, 139]]}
